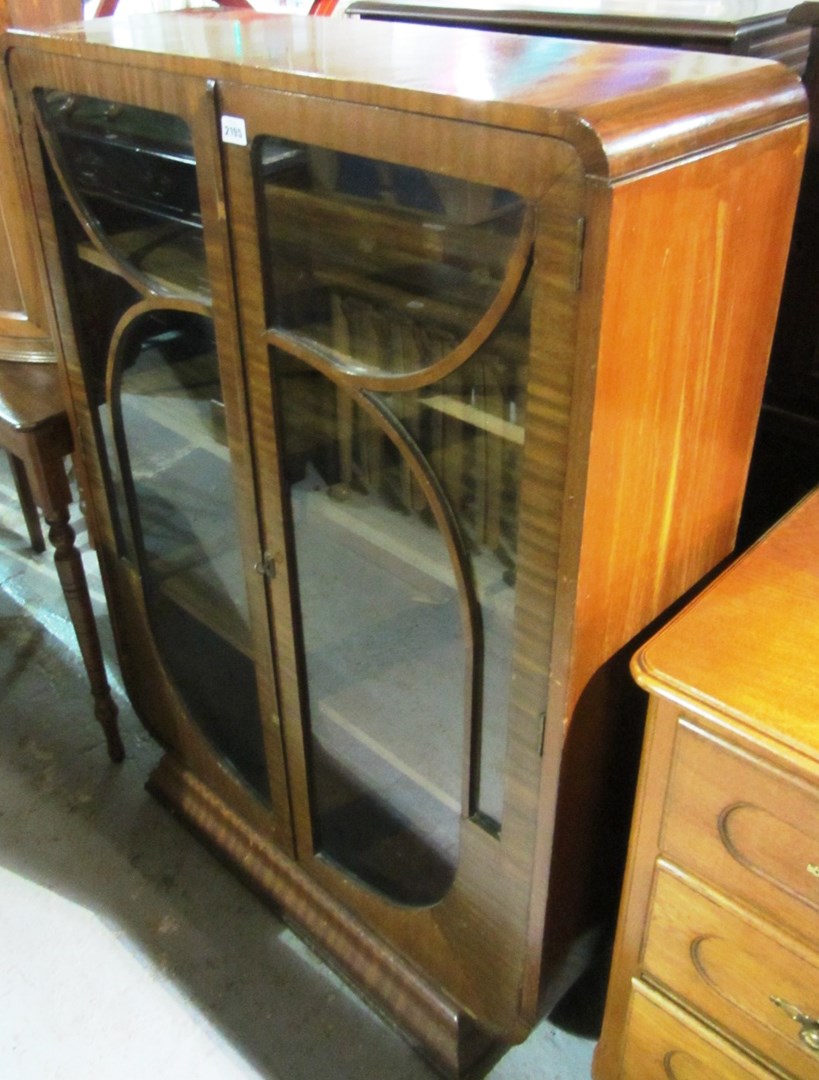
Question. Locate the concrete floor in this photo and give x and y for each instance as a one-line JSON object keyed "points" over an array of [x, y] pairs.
{"points": [[126, 949]]}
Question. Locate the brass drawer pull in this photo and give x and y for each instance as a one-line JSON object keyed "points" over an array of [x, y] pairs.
{"points": [[809, 1027]]}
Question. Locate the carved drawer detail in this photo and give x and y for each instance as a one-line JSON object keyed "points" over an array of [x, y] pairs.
{"points": [[744, 825], [734, 969], [715, 971], [664, 1043]]}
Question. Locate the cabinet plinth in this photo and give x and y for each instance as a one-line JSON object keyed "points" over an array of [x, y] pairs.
{"points": [[406, 403]]}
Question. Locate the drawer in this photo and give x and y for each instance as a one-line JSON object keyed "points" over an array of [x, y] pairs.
{"points": [[728, 964], [665, 1043], [750, 828]]}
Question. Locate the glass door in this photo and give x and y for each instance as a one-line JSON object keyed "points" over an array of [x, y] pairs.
{"points": [[413, 509], [400, 439], [163, 403]]}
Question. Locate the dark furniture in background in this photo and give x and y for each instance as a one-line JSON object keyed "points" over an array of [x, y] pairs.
{"points": [[757, 28], [785, 464]]}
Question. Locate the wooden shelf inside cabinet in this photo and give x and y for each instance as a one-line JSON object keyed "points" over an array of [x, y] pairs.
{"points": [[718, 921], [469, 350], [475, 417], [172, 256]]}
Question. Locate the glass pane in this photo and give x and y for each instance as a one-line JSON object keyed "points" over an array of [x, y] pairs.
{"points": [[383, 635], [177, 471], [157, 403], [469, 427], [393, 268], [360, 251], [133, 172]]}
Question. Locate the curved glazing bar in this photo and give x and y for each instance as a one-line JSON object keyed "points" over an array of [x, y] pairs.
{"points": [[469, 426], [164, 393], [361, 253], [390, 632], [130, 176], [404, 512], [123, 188], [398, 313]]}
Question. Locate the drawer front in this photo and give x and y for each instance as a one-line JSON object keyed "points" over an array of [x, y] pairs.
{"points": [[663, 1043], [729, 966], [747, 826]]}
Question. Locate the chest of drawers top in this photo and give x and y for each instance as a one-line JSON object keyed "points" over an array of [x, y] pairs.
{"points": [[748, 646]]}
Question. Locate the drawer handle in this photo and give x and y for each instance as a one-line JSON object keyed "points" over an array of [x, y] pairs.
{"points": [[808, 1026]]}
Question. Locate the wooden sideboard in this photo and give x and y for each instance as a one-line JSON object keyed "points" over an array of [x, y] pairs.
{"points": [[759, 28], [716, 963], [405, 365]]}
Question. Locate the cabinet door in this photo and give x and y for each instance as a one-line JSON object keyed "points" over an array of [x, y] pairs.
{"points": [[131, 185], [407, 289]]}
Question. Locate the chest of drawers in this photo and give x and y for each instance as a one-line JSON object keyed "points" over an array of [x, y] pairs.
{"points": [[716, 965]]}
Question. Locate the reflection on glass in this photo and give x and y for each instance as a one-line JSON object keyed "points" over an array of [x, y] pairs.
{"points": [[132, 171], [469, 427], [178, 471], [122, 173], [407, 630], [362, 255], [384, 648]]}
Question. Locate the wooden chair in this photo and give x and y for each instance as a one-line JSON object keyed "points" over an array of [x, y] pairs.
{"points": [[35, 433]]}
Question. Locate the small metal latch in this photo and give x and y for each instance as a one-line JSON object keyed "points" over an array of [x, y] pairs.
{"points": [[266, 566]]}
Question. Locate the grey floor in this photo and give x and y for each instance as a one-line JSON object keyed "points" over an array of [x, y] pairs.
{"points": [[126, 949]]}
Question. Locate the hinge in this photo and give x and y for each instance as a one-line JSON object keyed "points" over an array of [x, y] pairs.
{"points": [[14, 110], [542, 738], [580, 244], [266, 565]]}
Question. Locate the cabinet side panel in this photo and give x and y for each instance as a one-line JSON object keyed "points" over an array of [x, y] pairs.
{"points": [[695, 270]]}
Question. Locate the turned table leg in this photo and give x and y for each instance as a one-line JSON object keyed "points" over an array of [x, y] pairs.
{"points": [[75, 589]]}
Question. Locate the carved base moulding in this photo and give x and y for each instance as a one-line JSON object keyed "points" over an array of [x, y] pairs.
{"points": [[442, 1032]]}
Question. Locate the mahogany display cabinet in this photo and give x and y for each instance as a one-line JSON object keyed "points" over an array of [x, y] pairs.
{"points": [[414, 372]]}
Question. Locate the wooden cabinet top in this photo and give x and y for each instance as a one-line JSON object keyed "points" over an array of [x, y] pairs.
{"points": [[748, 645], [625, 108]]}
